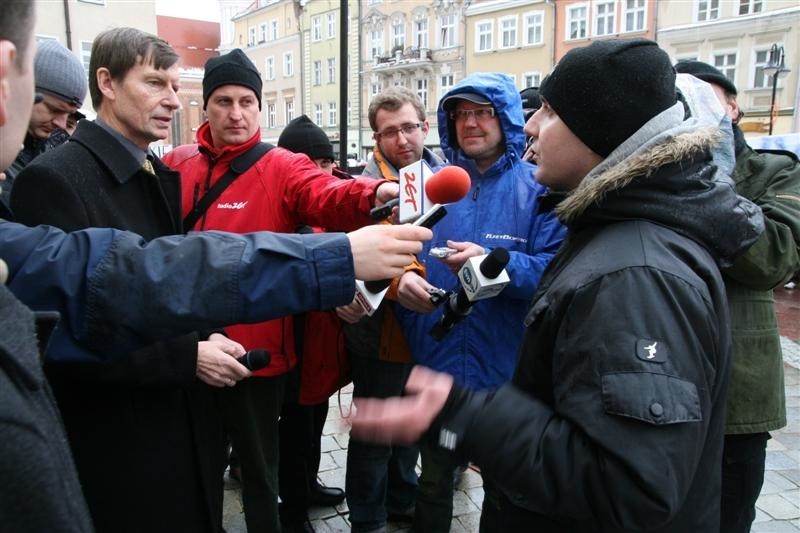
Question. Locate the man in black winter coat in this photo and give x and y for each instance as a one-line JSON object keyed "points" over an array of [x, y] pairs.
{"points": [[615, 417], [145, 433]]}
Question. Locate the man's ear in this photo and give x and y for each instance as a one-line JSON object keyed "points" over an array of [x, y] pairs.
{"points": [[105, 83], [8, 54]]}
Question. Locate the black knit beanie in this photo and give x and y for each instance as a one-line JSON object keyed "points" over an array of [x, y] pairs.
{"points": [[606, 91], [705, 72], [302, 136], [233, 68]]}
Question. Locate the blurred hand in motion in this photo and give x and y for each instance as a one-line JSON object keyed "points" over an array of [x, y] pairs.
{"points": [[414, 294], [403, 420], [350, 313], [465, 250], [383, 251], [216, 361]]}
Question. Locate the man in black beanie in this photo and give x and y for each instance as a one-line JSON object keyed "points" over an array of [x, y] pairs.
{"points": [[615, 417], [276, 191], [756, 396]]}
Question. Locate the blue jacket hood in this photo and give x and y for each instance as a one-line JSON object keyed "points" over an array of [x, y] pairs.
{"points": [[500, 90]]}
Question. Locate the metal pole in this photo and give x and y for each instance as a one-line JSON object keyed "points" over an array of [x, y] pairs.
{"points": [[772, 107], [343, 66]]}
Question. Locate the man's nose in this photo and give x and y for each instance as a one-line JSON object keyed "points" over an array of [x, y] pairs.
{"points": [[60, 120]]}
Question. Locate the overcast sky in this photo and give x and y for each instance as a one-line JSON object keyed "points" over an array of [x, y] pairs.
{"points": [[190, 9]]}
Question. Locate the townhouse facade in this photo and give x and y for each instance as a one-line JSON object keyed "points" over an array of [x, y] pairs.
{"points": [[736, 37]]}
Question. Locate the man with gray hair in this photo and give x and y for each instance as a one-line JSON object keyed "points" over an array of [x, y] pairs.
{"points": [[60, 89]]}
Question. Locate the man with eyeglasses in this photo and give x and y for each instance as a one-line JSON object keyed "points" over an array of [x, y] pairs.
{"points": [[480, 127], [381, 481], [278, 192]]}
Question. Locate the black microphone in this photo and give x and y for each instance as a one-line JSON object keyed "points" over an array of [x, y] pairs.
{"points": [[255, 359], [485, 281]]}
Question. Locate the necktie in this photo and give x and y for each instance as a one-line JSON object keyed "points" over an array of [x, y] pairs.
{"points": [[147, 165]]}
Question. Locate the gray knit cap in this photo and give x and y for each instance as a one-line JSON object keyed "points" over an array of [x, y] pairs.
{"points": [[59, 72]]}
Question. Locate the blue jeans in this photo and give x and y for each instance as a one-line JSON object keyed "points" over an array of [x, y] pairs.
{"points": [[378, 476]]}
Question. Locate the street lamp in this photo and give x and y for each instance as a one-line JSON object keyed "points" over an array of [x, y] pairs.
{"points": [[776, 67]]}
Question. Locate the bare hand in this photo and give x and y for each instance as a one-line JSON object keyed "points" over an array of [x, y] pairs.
{"points": [[382, 251], [216, 361], [350, 313], [413, 293], [386, 191], [403, 420], [465, 251]]}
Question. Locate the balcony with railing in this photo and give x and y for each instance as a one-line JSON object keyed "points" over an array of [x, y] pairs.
{"points": [[399, 58]]}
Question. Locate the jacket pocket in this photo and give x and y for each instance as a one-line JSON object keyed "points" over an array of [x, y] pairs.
{"points": [[654, 398]]}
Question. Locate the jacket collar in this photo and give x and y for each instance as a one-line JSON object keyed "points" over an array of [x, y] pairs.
{"points": [[117, 159]]}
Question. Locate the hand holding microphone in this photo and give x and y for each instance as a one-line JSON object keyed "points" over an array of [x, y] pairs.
{"points": [[481, 277], [449, 185], [255, 359]]}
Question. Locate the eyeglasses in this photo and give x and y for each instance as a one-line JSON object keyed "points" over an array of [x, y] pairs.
{"points": [[480, 114], [391, 134]]}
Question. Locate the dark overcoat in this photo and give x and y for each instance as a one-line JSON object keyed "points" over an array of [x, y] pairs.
{"points": [[146, 436]]}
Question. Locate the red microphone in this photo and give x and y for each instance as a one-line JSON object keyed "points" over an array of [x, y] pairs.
{"points": [[449, 185]]}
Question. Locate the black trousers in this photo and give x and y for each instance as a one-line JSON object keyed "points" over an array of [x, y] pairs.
{"points": [[742, 477], [300, 431]]}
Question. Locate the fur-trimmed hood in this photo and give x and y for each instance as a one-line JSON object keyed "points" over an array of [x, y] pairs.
{"points": [[674, 178]]}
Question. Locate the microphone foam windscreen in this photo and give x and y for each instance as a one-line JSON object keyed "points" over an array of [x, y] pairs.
{"points": [[450, 184], [494, 263]]}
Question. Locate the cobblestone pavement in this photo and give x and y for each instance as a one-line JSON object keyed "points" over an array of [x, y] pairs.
{"points": [[778, 507]]}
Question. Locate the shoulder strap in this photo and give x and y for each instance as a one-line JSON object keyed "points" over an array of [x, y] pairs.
{"points": [[238, 166]]}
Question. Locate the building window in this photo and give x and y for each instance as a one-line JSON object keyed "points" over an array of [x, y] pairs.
{"points": [[707, 10], [251, 36], [271, 115], [446, 82], [604, 18], [317, 72], [508, 32], [634, 12], [576, 21], [262, 33], [748, 7], [269, 70], [483, 36], [331, 25], [331, 70], [421, 33], [447, 31], [726, 63], [349, 113], [331, 113], [376, 43], [422, 91], [531, 79], [375, 89], [533, 23], [398, 33], [288, 65], [273, 30], [761, 80], [289, 109], [317, 113], [316, 28], [86, 54]]}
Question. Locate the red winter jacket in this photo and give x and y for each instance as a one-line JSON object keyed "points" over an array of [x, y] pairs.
{"points": [[279, 192]]}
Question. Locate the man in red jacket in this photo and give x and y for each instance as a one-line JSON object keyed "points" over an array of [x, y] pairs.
{"points": [[277, 193]]}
